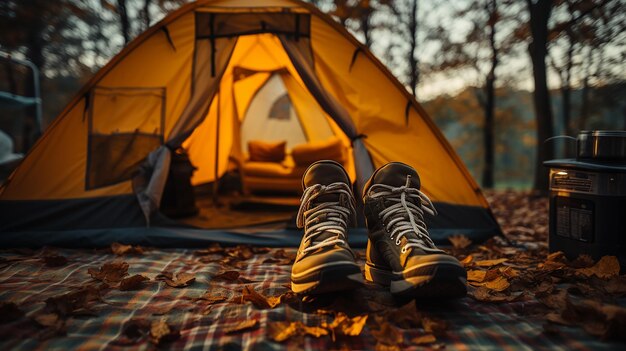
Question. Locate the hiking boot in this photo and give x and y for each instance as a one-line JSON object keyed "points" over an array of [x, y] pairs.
{"points": [[400, 252], [325, 262]]}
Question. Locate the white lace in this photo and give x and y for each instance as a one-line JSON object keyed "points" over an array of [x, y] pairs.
{"points": [[328, 217], [400, 224]]}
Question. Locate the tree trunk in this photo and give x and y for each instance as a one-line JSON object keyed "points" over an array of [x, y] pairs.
{"points": [[584, 96], [366, 28], [413, 63], [539, 15], [124, 20], [488, 130], [566, 88], [584, 104], [488, 133], [146, 14]]}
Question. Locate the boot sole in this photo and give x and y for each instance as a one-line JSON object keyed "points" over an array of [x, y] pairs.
{"points": [[441, 280], [329, 279]]}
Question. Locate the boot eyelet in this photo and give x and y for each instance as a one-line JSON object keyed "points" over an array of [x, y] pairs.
{"points": [[403, 250], [398, 242]]}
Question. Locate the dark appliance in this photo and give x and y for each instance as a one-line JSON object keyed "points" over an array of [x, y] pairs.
{"points": [[178, 196], [588, 198], [605, 145]]}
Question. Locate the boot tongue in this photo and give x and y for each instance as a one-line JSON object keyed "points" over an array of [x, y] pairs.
{"points": [[394, 174], [325, 173]]}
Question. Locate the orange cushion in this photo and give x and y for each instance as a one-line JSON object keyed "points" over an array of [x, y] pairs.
{"points": [[331, 149], [271, 170], [263, 151]]}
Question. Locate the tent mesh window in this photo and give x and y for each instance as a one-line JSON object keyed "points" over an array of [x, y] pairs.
{"points": [[210, 25], [125, 125], [281, 108]]}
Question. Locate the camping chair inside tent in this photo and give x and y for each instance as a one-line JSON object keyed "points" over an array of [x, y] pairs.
{"points": [[219, 79]]}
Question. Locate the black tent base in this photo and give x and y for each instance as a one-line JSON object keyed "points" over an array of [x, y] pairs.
{"points": [[102, 221], [189, 238]]}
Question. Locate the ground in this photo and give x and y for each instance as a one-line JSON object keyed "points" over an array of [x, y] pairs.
{"points": [[520, 297]]}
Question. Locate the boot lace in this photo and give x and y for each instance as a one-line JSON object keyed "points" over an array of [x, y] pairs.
{"points": [[326, 216], [406, 215]]}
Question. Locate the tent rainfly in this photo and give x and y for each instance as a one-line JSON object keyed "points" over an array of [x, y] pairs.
{"points": [[97, 174]]}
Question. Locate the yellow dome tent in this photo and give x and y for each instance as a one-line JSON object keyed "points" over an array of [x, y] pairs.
{"points": [[99, 170]]}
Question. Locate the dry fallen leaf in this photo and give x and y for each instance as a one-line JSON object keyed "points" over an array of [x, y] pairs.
{"points": [[344, 325], [490, 263], [246, 325], [133, 283], [213, 299], [605, 321], [606, 268], [180, 280], [437, 327], [384, 347], [110, 272], [284, 256], [161, 332], [479, 276], [313, 331], [259, 300], [476, 275], [554, 261], [555, 300], [237, 299], [281, 331], [213, 249], [121, 249], [354, 326], [260, 250], [467, 260], [386, 334], [558, 256], [424, 339], [490, 279], [484, 294], [508, 272], [230, 276], [47, 319], [616, 286], [72, 302], [240, 252], [498, 284], [162, 310], [460, 241]]}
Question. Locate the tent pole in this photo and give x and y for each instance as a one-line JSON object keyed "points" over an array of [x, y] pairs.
{"points": [[217, 146]]}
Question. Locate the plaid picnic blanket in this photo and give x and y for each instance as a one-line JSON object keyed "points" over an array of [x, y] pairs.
{"points": [[26, 281]]}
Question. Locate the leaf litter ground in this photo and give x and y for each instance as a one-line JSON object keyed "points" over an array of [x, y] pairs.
{"points": [[519, 295]]}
